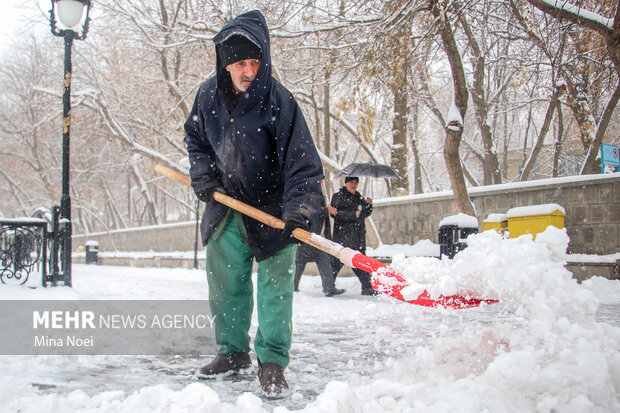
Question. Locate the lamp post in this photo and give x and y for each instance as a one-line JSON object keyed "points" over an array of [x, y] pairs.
{"points": [[70, 13]]}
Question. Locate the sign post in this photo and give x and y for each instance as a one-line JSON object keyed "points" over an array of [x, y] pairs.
{"points": [[610, 155]]}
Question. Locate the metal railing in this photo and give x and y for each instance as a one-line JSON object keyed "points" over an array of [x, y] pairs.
{"points": [[31, 245]]}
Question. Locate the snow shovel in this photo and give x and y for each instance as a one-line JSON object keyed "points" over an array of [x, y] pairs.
{"points": [[385, 279]]}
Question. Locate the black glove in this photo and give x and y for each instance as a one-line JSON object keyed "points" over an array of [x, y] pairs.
{"points": [[289, 227], [206, 195]]}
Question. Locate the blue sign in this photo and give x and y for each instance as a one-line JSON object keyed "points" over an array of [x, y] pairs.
{"points": [[610, 155]]}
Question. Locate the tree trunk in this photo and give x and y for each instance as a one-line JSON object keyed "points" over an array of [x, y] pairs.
{"points": [[115, 212], [454, 128], [399, 139], [555, 101], [417, 183], [557, 147], [326, 115], [455, 170], [150, 206]]}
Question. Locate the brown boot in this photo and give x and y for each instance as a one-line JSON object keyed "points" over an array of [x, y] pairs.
{"points": [[272, 381], [223, 365]]}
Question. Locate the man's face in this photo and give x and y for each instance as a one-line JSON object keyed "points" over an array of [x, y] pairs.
{"points": [[243, 73], [352, 186]]}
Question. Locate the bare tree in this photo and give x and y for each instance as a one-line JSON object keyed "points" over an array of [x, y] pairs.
{"points": [[483, 103], [609, 29]]}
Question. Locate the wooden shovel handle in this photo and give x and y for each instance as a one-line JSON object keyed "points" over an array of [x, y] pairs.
{"points": [[304, 236], [174, 175]]}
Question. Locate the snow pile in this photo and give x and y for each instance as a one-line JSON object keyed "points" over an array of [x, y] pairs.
{"points": [[513, 270], [560, 360]]}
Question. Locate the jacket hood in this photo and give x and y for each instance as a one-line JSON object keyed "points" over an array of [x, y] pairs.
{"points": [[253, 26]]}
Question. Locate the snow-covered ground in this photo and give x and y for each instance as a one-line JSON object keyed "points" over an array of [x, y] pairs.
{"points": [[550, 345]]}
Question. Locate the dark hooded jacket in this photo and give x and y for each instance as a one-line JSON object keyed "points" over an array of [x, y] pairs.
{"points": [[349, 230], [261, 151]]}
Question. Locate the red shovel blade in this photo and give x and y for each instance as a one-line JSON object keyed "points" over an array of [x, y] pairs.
{"points": [[392, 283]]}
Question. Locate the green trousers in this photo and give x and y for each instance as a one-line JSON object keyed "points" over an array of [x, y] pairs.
{"points": [[229, 274]]}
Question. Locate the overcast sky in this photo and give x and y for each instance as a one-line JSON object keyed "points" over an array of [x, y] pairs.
{"points": [[8, 15], [13, 14]]}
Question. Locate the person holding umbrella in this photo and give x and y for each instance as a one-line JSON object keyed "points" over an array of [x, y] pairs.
{"points": [[349, 210]]}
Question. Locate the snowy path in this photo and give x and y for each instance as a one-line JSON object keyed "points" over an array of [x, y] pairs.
{"points": [[346, 338]]}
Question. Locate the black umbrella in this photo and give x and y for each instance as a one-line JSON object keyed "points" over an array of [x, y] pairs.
{"points": [[375, 170]]}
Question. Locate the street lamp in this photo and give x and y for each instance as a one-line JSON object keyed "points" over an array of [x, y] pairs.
{"points": [[70, 13]]}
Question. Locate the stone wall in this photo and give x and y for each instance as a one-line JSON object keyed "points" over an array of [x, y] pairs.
{"points": [[160, 238], [591, 204]]}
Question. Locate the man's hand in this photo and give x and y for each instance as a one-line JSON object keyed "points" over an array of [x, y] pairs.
{"points": [[206, 195], [289, 227], [332, 210], [369, 201]]}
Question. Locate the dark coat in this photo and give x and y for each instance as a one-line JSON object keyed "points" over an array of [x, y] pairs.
{"points": [[261, 152], [307, 253], [349, 230]]}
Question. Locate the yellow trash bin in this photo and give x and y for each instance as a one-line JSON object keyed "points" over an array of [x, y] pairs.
{"points": [[498, 222], [534, 219]]}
